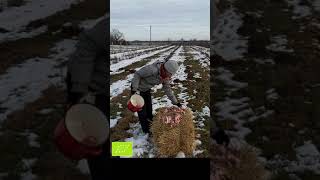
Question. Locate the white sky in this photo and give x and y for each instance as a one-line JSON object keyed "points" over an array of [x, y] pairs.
{"points": [[174, 19]]}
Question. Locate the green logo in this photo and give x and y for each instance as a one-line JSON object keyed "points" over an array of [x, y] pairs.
{"points": [[122, 149]]}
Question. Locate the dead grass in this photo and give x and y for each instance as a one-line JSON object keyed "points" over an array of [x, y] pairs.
{"points": [[202, 97], [119, 132], [236, 164], [201, 85]]}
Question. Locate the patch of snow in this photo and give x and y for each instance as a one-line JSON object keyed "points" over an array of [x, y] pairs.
{"points": [[12, 36], [83, 166], [90, 23], [279, 44], [45, 111], [28, 163], [15, 18], [308, 159], [28, 176], [180, 74], [118, 87], [206, 111], [264, 61], [114, 121], [17, 90], [226, 77], [156, 88], [197, 75], [120, 105], [235, 109], [299, 10], [197, 142], [180, 155], [160, 102], [141, 145], [196, 152], [202, 55], [257, 14], [226, 41], [32, 140], [308, 149], [291, 125], [177, 55], [272, 95]]}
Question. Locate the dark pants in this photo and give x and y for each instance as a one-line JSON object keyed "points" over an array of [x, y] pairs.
{"points": [[145, 115], [100, 165]]}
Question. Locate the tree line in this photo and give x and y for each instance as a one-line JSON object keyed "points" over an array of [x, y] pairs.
{"points": [[117, 38]]}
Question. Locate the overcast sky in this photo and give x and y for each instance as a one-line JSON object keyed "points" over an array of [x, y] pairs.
{"points": [[174, 19]]}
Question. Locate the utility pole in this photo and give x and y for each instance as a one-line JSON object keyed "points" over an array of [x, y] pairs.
{"points": [[150, 35]]}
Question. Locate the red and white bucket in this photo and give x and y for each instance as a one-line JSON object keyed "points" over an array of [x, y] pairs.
{"points": [[82, 132], [135, 103]]}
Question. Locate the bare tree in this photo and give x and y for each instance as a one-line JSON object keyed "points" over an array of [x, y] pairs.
{"points": [[116, 37]]}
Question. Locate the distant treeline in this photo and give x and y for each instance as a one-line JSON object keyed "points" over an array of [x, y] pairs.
{"points": [[180, 42]]}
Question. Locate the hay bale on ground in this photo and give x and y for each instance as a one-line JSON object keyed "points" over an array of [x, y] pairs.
{"points": [[236, 163], [170, 140]]}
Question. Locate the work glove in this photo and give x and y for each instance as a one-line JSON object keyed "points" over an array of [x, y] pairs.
{"points": [[221, 137], [179, 105]]}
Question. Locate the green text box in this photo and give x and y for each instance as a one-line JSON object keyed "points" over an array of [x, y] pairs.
{"points": [[122, 149]]}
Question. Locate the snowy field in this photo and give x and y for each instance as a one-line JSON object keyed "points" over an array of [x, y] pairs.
{"points": [[125, 55], [256, 47], [124, 124], [115, 49], [15, 19]]}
